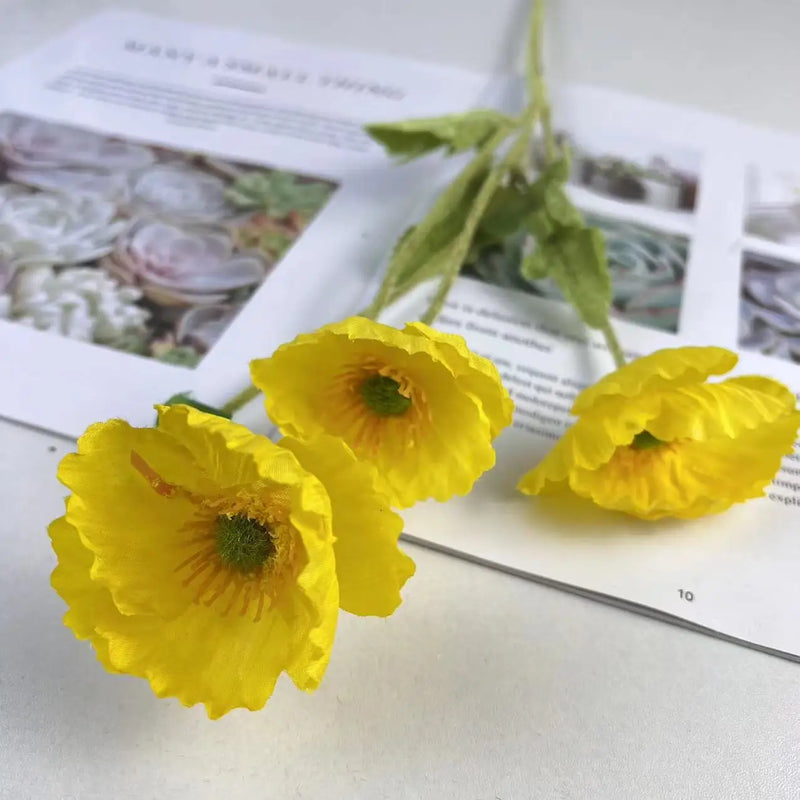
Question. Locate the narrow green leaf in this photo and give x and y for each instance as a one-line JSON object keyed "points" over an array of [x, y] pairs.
{"points": [[522, 204], [534, 266], [558, 170], [560, 209], [505, 214], [433, 266], [455, 133], [440, 227], [576, 260], [540, 225]]}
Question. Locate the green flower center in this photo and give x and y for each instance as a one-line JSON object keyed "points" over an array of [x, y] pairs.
{"points": [[382, 395], [644, 440], [243, 543]]}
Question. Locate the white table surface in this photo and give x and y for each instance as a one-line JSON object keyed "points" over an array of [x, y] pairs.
{"points": [[482, 686]]}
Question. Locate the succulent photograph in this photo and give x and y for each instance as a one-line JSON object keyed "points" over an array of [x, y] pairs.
{"points": [[141, 248], [769, 306], [648, 269], [654, 175], [773, 205]]}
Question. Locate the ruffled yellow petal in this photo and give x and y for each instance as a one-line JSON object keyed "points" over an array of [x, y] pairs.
{"points": [[71, 579], [225, 662], [706, 410], [437, 448], [476, 374], [316, 595], [233, 457], [664, 369], [228, 661], [705, 446], [129, 511], [588, 444], [689, 479], [87, 600], [230, 639], [228, 454], [369, 565]]}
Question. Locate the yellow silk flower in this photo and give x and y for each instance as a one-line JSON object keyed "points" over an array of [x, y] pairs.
{"points": [[653, 439], [417, 403], [209, 560]]}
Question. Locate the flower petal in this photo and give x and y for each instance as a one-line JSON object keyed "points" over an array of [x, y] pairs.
{"points": [[229, 454], [370, 567], [438, 450], [589, 443], [119, 552], [728, 408], [130, 510], [476, 374], [664, 369], [86, 600], [72, 581], [202, 656], [689, 479]]}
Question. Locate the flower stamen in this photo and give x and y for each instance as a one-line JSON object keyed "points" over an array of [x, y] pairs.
{"points": [[243, 543], [644, 440], [382, 395]]}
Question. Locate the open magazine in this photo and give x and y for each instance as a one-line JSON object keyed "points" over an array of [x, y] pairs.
{"points": [[176, 199]]}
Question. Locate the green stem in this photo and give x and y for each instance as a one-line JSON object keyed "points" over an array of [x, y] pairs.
{"points": [[406, 249], [537, 87], [241, 399], [518, 156], [517, 151], [614, 347]]}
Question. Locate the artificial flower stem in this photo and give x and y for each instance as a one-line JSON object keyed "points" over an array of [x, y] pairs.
{"points": [[614, 347], [537, 87], [386, 292], [241, 399], [519, 149]]}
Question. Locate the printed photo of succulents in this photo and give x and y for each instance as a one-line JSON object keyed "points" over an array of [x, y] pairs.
{"points": [[634, 170], [769, 307], [773, 205], [137, 247], [648, 269]]}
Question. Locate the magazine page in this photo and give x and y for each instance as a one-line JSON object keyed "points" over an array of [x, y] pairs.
{"points": [[177, 199], [702, 222], [132, 147]]}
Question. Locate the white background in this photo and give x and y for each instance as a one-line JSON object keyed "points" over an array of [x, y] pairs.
{"points": [[482, 685]]}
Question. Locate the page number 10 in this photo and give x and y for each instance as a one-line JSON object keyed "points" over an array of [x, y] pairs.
{"points": [[685, 594]]}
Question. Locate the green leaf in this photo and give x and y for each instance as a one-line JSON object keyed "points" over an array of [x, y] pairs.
{"points": [[541, 225], [558, 170], [537, 206], [534, 266], [560, 209], [444, 223], [455, 133], [434, 265], [576, 260], [433, 236], [505, 214]]}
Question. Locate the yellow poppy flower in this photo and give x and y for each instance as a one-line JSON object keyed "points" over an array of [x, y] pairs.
{"points": [[203, 558], [416, 403], [653, 439]]}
